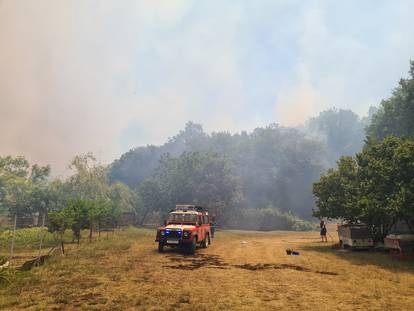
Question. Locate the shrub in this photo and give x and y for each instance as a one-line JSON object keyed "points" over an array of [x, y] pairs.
{"points": [[267, 219]]}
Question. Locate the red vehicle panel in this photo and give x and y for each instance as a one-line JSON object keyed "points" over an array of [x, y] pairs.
{"points": [[187, 226]]}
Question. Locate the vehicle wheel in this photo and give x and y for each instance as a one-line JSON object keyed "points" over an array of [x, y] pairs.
{"points": [[160, 247], [192, 246], [206, 241]]}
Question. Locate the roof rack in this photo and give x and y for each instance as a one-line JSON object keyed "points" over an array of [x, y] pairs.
{"points": [[190, 207]]}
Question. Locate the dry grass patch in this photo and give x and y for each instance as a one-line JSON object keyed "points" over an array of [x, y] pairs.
{"points": [[240, 271]]}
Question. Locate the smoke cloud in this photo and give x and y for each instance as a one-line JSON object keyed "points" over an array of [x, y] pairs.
{"points": [[106, 76]]}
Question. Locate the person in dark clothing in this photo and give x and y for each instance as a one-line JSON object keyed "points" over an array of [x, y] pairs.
{"points": [[323, 231], [213, 225]]}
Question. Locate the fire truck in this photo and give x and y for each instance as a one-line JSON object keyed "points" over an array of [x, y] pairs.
{"points": [[187, 227]]}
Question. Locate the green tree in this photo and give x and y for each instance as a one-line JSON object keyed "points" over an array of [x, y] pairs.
{"points": [[341, 130], [396, 114], [23, 188], [79, 208], [376, 187], [336, 192], [89, 180], [59, 222], [150, 197], [192, 177]]}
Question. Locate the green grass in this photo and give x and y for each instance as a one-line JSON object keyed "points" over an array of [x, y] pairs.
{"points": [[26, 239]]}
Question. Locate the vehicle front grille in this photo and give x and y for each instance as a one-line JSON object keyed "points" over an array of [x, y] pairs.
{"points": [[173, 234]]}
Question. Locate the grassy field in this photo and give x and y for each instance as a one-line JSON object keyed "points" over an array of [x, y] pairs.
{"points": [[240, 271]]}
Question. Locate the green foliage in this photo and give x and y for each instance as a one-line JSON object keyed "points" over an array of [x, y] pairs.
{"points": [[89, 180], [79, 209], [192, 177], [123, 197], [61, 220], [272, 166], [336, 192], [23, 188], [396, 114], [267, 219], [150, 198], [26, 238], [376, 187], [341, 130]]}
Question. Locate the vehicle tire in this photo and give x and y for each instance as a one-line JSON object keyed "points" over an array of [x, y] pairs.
{"points": [[192, 246], [206, 241], [160, 247]]}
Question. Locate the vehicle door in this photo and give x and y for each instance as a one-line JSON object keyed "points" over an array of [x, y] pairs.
{"points": [[200, 227]]}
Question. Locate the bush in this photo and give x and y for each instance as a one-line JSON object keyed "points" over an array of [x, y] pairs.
{"points": [[26, 238], [267, 219]]}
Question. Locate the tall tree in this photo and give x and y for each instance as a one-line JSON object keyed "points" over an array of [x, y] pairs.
{"points": [[396, 114], [23, 188], [375, 187], [341, 130], [192, 177]]}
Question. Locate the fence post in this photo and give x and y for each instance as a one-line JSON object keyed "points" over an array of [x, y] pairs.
{"points": [[42, 235], [12, 242]]}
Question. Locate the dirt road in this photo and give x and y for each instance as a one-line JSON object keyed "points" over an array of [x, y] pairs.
{"points": [[240, 271]]}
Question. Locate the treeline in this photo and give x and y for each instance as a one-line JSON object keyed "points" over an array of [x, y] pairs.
{"points": [[85, 200], [376, 186], [258, 180], [270, 168]]}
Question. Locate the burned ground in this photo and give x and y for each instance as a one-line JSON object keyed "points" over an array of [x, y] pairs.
{"points": [[216, 262]]}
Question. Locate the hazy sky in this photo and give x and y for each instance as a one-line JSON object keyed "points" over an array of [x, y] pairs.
{"points": [[105, 76]]}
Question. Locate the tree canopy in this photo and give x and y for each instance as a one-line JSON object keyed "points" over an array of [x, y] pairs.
{"points": [[274, 166], [342, 132], [396, 114], [376, 187]]}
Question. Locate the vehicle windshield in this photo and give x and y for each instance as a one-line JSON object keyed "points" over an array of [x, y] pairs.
{"points": [[182, 218]]}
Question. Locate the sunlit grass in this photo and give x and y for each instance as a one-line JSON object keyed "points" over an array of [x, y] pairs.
{"points": [[240, 271]]}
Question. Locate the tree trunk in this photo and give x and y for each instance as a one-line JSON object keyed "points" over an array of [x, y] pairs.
{"points": [[78, 236], [90, 234], [62, 246]]}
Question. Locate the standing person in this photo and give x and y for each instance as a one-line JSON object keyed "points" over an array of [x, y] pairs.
{"points": [[321, 224], [323, 231], [213, 225]]}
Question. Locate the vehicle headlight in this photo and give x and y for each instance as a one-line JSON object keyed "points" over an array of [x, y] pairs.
{"points": [[186, 234]]}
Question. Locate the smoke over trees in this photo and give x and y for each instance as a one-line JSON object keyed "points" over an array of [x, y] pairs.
{"points": [[250, 180], [272, 168]]}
